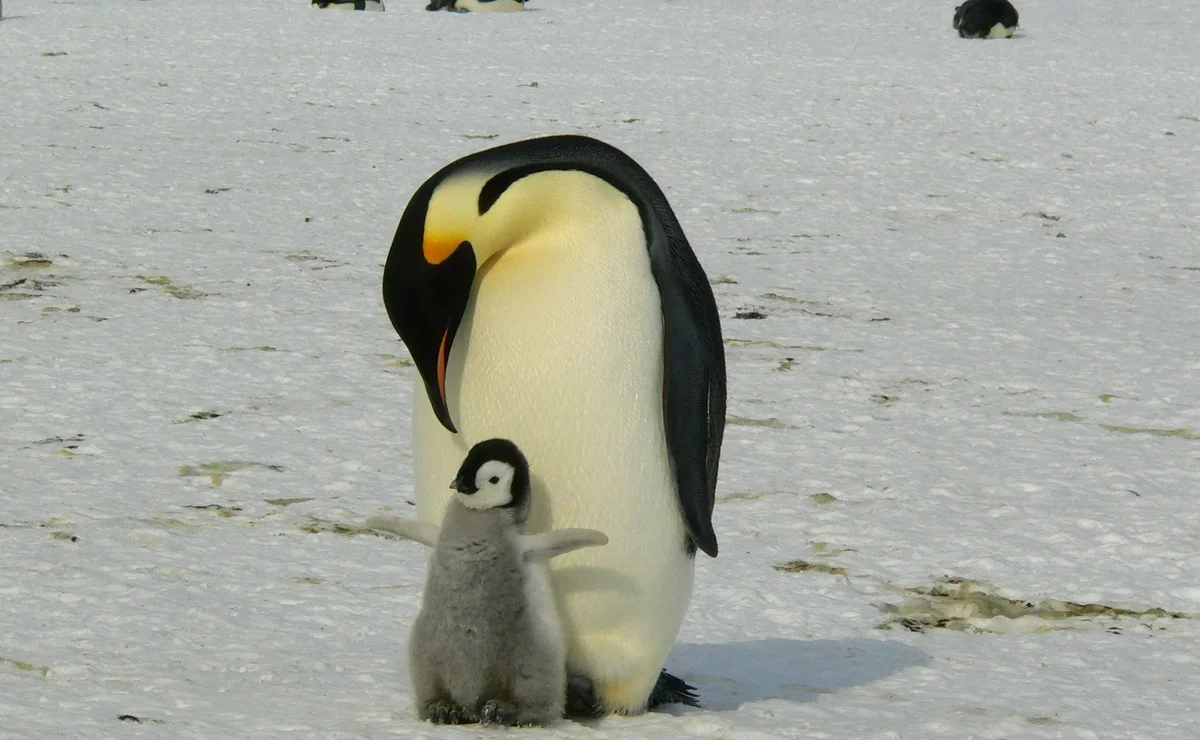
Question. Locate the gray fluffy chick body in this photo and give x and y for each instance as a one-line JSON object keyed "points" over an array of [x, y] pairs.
{"points": [[489, 629], [488, 642]]}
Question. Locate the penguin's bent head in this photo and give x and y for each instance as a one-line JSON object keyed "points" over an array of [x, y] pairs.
{"points": [[494, 475], [468, 212]]}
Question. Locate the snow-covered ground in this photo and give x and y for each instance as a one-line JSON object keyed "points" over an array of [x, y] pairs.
{"points": [[974, 396]]}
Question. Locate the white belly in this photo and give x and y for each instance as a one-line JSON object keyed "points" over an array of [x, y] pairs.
{"points": [[498, 6], [999, 31], [561, 352]]}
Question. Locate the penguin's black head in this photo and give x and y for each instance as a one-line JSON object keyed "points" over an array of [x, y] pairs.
{"points": [[468, 213], [494, 475]]}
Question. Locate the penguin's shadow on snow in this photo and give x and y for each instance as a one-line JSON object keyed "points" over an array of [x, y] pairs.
{"points": [[731, 674]]}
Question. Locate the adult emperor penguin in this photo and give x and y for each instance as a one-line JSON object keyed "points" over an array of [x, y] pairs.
{"points": [[477, 6], [547, 293], [349, 4], [985, 19]]}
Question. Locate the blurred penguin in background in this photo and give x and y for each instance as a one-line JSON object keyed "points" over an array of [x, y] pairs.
{"points": [[477, 6], [985, 19], [348, 4]]}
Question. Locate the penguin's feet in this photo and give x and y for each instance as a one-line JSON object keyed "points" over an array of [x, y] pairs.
{"points": [[496, 712], [583, 702], [442, 712], [672, 690], [581, 698]]}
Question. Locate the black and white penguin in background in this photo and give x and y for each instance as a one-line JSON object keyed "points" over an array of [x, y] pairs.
{"points": [[349, 4], [477, 6], [985, 19], [547, 293]]}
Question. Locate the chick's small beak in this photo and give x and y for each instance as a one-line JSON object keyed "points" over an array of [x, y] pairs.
{"points": [[463, 486]]}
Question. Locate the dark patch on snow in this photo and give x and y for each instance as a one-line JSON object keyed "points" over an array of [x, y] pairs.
{"points": [[803, 566], [972, 606]]}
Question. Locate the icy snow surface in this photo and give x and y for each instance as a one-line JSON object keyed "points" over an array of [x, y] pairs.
{"points": [[979, 267]]}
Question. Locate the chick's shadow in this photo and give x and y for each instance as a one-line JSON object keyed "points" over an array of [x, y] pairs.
{"points": [[731, 674]]}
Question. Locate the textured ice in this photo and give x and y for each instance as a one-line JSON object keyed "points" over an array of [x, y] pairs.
{"points": [[978, 266]]}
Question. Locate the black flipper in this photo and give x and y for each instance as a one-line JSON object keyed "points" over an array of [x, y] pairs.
{"points": [[693, 374], [672, 690]]}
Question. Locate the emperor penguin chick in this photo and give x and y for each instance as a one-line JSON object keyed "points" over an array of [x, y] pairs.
{"points": [[488, 644]]}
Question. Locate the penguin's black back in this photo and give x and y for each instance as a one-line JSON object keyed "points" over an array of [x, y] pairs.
{"points": [[975, 18]]}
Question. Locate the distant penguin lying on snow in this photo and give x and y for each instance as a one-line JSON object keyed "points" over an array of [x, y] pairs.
{"points": [[349, 4], [477, 6], [488, 644], [985, 19]]}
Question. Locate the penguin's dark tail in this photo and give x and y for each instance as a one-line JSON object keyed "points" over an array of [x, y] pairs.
{"points": [[672, 690]]}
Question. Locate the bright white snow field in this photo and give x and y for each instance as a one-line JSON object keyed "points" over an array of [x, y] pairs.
{"points": [[979, 266]]}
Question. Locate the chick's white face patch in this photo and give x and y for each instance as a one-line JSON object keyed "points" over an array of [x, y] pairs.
{"points": [[494, 483]]}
